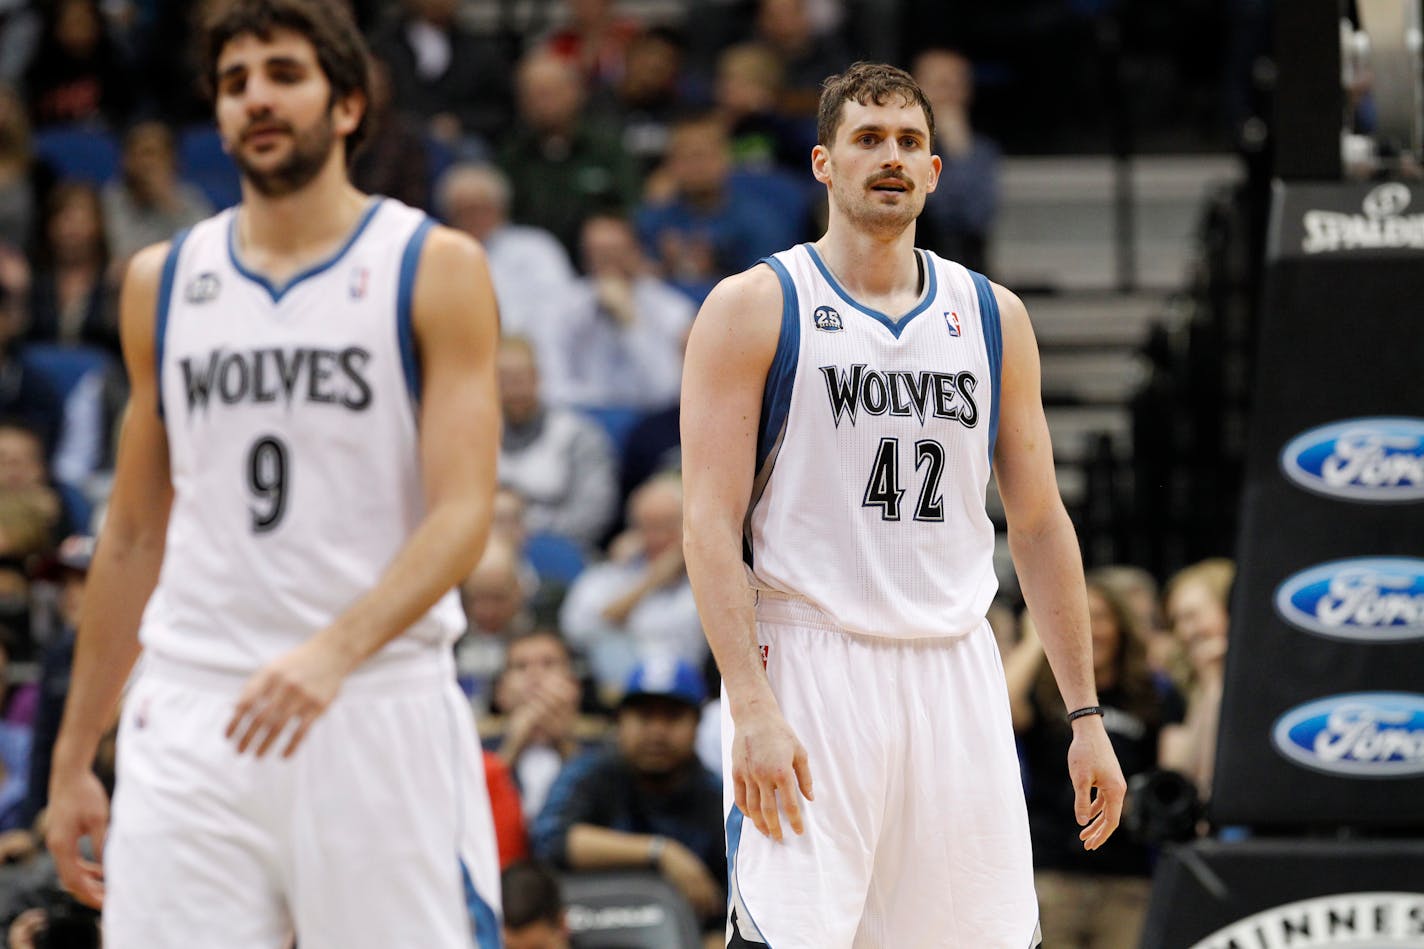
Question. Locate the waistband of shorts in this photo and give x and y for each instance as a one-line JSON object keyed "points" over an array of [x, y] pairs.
{"points": [[773, 606], [388, 676], [789, 609]]}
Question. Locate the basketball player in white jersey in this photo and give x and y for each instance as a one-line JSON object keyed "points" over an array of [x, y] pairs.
{"points": [[842, 404], [306, 471]]}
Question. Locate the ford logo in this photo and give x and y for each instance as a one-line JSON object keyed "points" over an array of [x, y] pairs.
{"points": [[1361, 734], [1371, 599], [1362, 459]]}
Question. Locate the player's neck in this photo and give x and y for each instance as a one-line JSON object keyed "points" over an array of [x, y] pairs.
{"points": [[870, 266], [289, 231]]}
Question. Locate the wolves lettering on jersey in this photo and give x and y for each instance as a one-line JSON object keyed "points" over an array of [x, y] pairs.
{"points": [[874, 447], [942, 395], [266, 375], [293, 444]]}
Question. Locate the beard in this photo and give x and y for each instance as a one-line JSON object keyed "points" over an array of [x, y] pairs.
{"points": [[311, 147], [864, 209]]}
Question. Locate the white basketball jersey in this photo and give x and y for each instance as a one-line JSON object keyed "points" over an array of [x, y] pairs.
{"points": [[291, 417], [874, 452]]}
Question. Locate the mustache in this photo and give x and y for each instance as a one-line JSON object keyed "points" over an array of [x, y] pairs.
{"points": [[890, 176], [264, 124]]}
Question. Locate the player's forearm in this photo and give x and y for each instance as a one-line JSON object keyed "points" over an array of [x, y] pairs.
{"points": [[1050, 572], [726, 607], [590, 847], [119, 585], [438, 556]]}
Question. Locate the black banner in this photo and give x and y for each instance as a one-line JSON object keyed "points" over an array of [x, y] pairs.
{"points": [[1264, 894], [1323, 715]]}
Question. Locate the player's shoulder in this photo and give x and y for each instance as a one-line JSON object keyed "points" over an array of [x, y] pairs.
{"points": [[145, 268], [1009, 302], [755, 293], [447, 247]]}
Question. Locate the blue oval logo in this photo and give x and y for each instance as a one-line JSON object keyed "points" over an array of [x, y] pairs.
{"points": [[1360, 734], [1361, 459], [1369, 599]]}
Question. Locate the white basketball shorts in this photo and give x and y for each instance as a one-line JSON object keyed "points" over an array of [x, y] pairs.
{"points": [[918, 836], [376, 834]]}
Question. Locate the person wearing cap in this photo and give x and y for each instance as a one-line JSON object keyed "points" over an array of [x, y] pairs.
{"points": [[647, 802]]}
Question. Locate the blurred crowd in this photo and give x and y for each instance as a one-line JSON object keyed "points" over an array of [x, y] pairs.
{"points": [[614, 170]]}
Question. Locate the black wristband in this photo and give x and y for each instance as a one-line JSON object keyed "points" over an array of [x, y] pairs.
{"points": [[1078, 713]]}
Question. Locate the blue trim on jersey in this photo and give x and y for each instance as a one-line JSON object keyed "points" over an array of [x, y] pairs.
{"points": [[734, 841], [993, 345], [896, 327], [165, 299], [277, 293], [781, 377], [405, 292], [484, 924]]}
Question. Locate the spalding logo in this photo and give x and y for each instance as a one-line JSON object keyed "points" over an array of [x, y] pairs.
{"points": [[1362, 459], [1360, 734], [1360, 920], [1369, 599]]}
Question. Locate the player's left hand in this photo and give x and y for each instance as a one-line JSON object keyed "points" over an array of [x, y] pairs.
{"points": [[1092, 764], [296, 687]]}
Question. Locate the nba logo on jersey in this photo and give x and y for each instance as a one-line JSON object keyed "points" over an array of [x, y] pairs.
{"points": [[359, 276], [951, 320], [827, 319]]}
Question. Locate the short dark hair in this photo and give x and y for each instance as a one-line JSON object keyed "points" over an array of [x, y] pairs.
{"points": [[867, 83], [531, 895], [327, 24]]}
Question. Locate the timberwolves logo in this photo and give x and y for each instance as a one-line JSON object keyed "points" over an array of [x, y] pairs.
{"points": [[1361, 920], [827, 319], [202, 288]]}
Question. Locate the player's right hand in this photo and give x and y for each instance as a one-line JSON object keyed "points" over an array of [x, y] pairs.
{"points": [[78, 808], [769, 764]]}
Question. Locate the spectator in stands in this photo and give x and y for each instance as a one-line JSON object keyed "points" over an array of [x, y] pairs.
{"points": [[533, 908], [595, 39], [26, 395], [1087, 900], [959, 215], [496, 609], [454, 81], [25, 178], [649, 97], [538, 728], [560, 462], [700, 223], [393, 160], [71, 297], [511, 835], [528, 265], [1198, 604], [16, 738], [150, 202], [69, 569], [1138, 589], [648, 802], [748, 95], [638, 605], [563, 167], [37, 507], [809, 57], [614, 339], [77, 74]]}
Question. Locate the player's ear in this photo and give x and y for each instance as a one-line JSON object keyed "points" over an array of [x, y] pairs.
{"points": [[936, 166], [347, 112], [820, 161]]}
